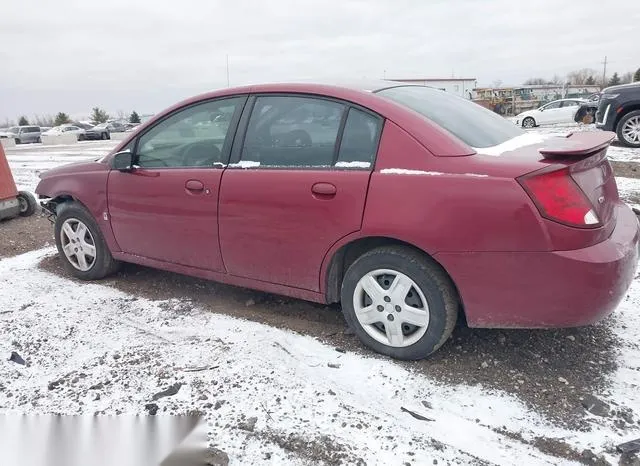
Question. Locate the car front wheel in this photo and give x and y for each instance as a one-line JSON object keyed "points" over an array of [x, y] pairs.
{"points": [[628, 129], [399, 302], [28, 203], [81, 245], [528, 123]]}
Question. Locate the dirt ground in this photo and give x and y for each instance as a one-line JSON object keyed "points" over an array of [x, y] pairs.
{"points": [[550, 370]]}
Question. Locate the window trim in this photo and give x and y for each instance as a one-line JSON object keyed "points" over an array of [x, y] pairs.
{"points": [[243, 126], [228, 143]]}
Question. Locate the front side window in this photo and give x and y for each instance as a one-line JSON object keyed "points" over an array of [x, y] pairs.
{"points": [[291, 131], [471, 123], [360, 140], [552, 105], [189, 138], [569, 103]]}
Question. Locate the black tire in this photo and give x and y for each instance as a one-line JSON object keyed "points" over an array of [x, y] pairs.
{"points": [[532, 122], [38, 141], [104, 136], [28, 203], [18, 141], [620, 126], [433, 281], [104, 263], [81, 137]]}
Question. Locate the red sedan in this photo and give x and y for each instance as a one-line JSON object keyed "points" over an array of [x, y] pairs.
{"points": [[408, 205]]}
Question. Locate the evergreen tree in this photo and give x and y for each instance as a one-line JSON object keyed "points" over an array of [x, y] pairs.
{"points": [[61, 119], [636, 76], [615, 80], [23, 121], [590, 81], [134, 118], [99, 116]]}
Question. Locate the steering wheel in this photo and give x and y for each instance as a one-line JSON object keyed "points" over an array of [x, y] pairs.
{"points": [[200, 154]]}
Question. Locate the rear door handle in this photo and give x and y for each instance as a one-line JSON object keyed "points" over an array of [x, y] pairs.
{"points": [[194, 186], [324, 189]]}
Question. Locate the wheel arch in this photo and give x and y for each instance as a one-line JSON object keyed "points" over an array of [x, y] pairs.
{"points": [[627, 109], [341, 258]]}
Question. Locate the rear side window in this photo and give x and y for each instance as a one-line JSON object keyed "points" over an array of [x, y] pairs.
{"points": [[471, 123], [292, 131], [360, 140]]}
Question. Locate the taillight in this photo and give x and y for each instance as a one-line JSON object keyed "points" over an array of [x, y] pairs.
{"points": [[559, 198]]}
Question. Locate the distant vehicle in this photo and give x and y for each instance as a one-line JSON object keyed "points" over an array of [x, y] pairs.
{"points": [[619, 111], [131, 126], [408, 205], [558, 111], [67, 129], [104, 130], [22, 134]]}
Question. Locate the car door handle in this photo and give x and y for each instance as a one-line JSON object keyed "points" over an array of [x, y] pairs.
{"points": [[324, 189], [194, 186]]}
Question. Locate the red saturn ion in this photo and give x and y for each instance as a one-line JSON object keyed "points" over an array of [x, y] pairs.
{"points": [[408, 205]]}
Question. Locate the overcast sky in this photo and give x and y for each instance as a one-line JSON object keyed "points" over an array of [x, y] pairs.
{"points": [[146, 54]]}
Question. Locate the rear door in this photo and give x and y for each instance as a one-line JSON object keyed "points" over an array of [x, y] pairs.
{"points": [[552, 113], [167, 207], [298, 185]]}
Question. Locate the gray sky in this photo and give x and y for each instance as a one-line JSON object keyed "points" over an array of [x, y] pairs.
{"points": [[146, 54]]}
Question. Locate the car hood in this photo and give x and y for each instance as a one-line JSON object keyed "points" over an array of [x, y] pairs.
{"points": [[76, 167]]}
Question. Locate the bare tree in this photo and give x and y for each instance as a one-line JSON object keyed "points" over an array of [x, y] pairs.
{"points": [[579, 77], [557, 80], [497, 83], [43, 120], [626, 78]]}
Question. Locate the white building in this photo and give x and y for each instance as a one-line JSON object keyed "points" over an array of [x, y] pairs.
{"points": [[462, 87]]}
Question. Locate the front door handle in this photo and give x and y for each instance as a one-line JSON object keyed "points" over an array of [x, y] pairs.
{"points": [[194, 186], [324, 189]]}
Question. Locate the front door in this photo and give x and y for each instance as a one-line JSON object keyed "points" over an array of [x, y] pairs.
{"points": [[296, 190], [551, 113], [166, 208]]}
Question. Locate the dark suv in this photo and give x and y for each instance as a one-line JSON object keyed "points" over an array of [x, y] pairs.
{"points": [[619, 111]]}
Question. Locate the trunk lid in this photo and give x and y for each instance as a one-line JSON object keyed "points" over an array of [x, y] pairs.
{"points": [[584, 154]]}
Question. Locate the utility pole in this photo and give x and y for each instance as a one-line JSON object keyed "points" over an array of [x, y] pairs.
{"points": [[228, 85], [604, 73]]}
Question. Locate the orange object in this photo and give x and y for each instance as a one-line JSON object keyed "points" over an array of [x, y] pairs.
{"points": [[8, 188]]}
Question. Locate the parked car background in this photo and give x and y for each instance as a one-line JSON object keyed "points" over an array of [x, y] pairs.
{"points": [[22, 134], [558, 111], [104, 130], [619, 111], [67, 129]]}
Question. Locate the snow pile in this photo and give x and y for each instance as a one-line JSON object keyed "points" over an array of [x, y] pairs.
{"points": [[268, 394]]}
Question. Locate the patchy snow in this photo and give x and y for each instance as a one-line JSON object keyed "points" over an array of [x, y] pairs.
{"points": [[27, 161], [629, 190], [353, 164], [615, 152], [512, 144], [404, 171], [245, 164], [90, 348]]}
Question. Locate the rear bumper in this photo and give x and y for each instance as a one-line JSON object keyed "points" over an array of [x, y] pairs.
{"points": [[93, 136], [547, 289]]}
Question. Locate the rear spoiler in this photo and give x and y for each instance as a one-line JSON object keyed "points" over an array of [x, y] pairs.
{"points": [[578, 144]]}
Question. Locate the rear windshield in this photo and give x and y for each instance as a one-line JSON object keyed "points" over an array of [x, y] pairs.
{"points": [[470, 122]]}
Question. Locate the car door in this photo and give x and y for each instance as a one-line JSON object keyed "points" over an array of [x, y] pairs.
{"points": [[166, 208], [569, 109], [297, 184], [550, 114]]}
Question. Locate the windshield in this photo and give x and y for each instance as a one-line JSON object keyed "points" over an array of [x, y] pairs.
{"points": [[473, 124], [100, 126], [14, 129]]}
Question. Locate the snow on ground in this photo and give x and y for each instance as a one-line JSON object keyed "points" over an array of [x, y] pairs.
{"points": [[27, 161], [92, 349]]}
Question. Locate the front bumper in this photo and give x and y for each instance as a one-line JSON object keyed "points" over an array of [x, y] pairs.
{"points": [[93, 136], [547, 289], [606, 116]]}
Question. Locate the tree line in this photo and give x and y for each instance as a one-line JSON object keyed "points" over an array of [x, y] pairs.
{"points": [[588, 77], [98, 115]]}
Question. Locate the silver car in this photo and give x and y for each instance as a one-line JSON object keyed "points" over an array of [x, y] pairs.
{"points": [[23, 134]]}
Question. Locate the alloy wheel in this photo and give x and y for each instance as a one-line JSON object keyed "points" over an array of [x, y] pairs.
{"points": [[78, 244], [631, 130], [391, 308]]}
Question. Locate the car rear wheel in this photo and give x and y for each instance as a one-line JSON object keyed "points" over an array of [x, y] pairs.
{"points": [[104, 136], [81, 137], [28, 203], [628, 129], [528, 123], [81, 245], [399, 302], [18, 141]]}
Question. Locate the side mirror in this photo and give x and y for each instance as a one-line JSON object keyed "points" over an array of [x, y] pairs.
{"points": [[123, 161]]}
